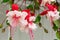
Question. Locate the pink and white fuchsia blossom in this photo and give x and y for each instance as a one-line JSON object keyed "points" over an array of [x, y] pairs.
{"points": [[19, 18], [52, 16]]}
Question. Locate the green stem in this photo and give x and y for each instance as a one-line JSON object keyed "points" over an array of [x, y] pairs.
{"points": [[4, 20]]}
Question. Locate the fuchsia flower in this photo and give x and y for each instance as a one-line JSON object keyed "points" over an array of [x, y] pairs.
{"points": [[52, 16], [50, 8], [22, 19], [52, 13], [30, 20]]}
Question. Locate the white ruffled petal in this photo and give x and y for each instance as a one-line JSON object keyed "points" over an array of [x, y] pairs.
{"points": [[32, 26], [11, 13], [32, 18], [24, 22], [24, 14]]}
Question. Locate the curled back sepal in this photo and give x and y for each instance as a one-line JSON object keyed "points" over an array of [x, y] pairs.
{"points": [[31, 34]]}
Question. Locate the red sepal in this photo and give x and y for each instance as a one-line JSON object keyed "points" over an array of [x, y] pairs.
{"points": [[15, 7], [50, 7], [7, 11], [44, 12]]}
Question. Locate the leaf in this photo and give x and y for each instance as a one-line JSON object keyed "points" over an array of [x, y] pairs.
{"points": [[45, 30], [1, 25], [55, 27], [7, 22], [57, 23], [30, 7], [38, 18], [4, 1], [58, 34]]}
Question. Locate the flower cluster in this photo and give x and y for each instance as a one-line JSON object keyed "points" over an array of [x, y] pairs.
{"points": [[21, 18], [26, 18], [52, 13]]}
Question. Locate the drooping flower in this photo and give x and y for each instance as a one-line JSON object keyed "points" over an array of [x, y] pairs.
{"points": [[30, 20], [22, 19], [52, 16], [14, 17]]}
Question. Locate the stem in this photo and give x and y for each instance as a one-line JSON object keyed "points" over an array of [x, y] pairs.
{"points": [[10, 33], [17, 1], [22, 3], [4, 20], [25, 3], [3, 6]]}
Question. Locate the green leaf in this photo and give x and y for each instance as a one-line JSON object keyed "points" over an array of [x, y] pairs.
{"points": [[57, 23], [1, 25], [7, 22], [4, 1], [58, 34], [45, 30], [38, 18], [55, 27], [30, 7]]}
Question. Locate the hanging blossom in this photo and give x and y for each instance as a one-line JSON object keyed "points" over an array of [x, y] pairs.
{"points": [[54, 15], [23, 19], [18, 17], [51, 13]]}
